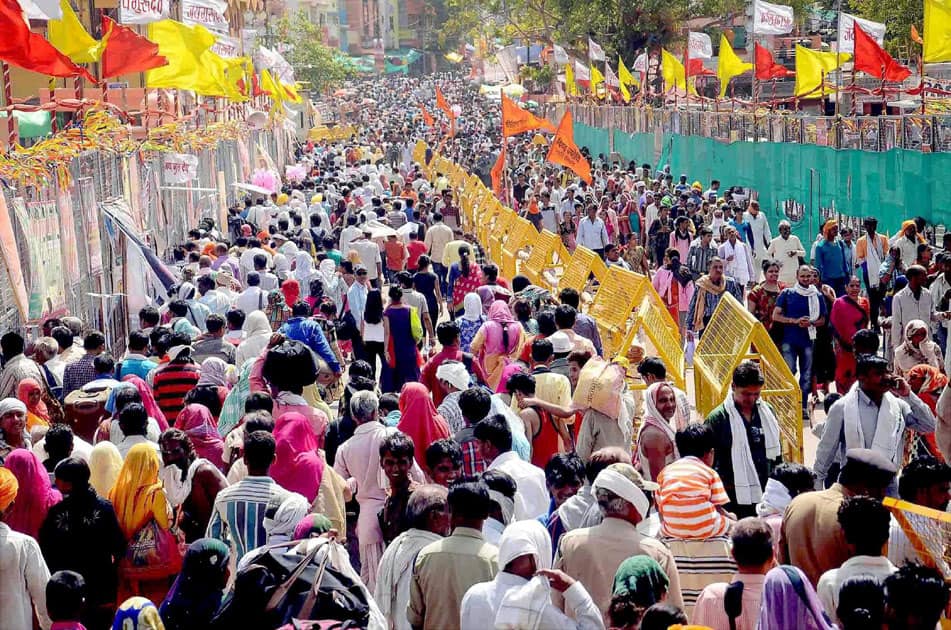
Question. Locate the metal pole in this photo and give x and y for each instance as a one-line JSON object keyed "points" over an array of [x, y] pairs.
{"points": [[12, 138]]}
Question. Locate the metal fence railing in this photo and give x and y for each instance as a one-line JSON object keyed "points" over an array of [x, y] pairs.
{"points": [[920, 132]]}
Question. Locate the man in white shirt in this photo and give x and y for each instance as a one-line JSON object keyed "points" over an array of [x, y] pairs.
{"points": [[864, 522], [268, 280], [786, 249], [761, 235], [495, 442], [252, 298], [246, 262], [216, 301], [913, 302], [369, 253], [592, 233], [24, 576], [739, 260], [436, 239]]}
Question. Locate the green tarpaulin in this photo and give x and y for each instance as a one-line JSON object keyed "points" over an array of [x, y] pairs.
{"points": [[31, 124]]}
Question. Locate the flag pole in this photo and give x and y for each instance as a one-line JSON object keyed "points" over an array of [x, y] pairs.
{"points": [[838, 73], [753, 92], [52, 89], [921, 73], [12, 139]]}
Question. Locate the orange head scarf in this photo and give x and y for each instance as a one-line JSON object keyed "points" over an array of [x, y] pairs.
{"points": [[8, 488], [137, 488]]}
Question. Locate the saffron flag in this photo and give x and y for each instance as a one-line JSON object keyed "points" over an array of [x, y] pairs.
{"points": [[30, 51], [427, 117], [564, 151], [915, 37], [571, 88], [937, 46], [673, 72], [812, 66], [516, 120], [127, 52], [729, 65], [596, 80], [70, 38], [498, 170], [872, 59], [595, 52], [695, 68], [442, 104], [766, 66]]}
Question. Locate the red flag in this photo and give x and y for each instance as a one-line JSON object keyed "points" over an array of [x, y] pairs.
{"points": [[427, 118], [564, 151], [872, 59], [696, 68], [497, 171], [766, 66], [126, 51], [30, 51]]}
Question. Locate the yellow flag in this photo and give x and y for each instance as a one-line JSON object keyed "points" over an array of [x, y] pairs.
{"points": [[571, 88], [70, 38], [597, 79], [673, 72], [624, 75], [937, 46], [292, 94], [184, 47], [268, 84], [811, 68], [729, 65]]}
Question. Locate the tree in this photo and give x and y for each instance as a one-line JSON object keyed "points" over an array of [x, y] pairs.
{"points": [[314, 63], [899, 16]]}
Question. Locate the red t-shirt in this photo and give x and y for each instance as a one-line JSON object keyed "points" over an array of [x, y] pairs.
{"points": [[416, 249]]}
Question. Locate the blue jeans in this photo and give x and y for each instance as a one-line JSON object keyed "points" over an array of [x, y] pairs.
{"points": [[803, 355]]}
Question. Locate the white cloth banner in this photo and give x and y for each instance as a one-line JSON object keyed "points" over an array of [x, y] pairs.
{"points": [[207, 13], [227, 47], [179, 168], [142, 11], [581, 72], [875, 30], [771, 19], [700, 46], [561, 57], [610, 77], [595, 52], [42, 9], [640, 64]]}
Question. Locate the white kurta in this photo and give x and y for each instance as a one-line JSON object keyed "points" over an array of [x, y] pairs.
{"points": [[531, 497], [482, 602]]}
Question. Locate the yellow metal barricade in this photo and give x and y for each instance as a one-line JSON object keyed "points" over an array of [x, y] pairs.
{"points": [[419, 152], [732, 336], [503, 224], [521, 234], [542, 258], [583, 264], [613, 304]]}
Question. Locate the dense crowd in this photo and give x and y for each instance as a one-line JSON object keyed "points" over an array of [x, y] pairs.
{"points": [[343, 412]]}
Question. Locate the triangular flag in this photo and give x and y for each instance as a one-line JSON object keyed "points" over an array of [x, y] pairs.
{"points": [[595, 52], [497, 172], [70, 38], [695, 68], [30, 51], [766, 66], [516, 120], [729, 65], [624, 74], [812, 66], [127, 52], [564, 151], [937, 40], [571, 88], [673, 72], [427, 117], [271, 87], [625, 93], [596, 79], [291, 92], [915, 37], [872, 59], [442, 104]]}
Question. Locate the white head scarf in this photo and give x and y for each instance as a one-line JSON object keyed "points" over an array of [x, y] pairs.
{"points": [[454, 373], [256, 324], [522, 607], [328, 271], [472, 304], [280, 528], [282, 266], [186, 291], [676, 423], [525, 538], [11, 404]]}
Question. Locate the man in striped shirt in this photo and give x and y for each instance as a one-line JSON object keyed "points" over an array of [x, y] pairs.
{"points": [[238, 515], [170, 382], [691, 496]]}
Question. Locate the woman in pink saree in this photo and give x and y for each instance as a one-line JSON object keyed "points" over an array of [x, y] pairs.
{"points": [[498, 342]]}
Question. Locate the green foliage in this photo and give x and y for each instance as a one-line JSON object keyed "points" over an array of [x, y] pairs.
{"points": [[315, 63]]}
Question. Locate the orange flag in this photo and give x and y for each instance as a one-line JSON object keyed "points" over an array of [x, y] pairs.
{"points": [[126, 51], [443, 104], [427, 118], [497, 172], [516, 120], [915, 37], [564, 151]]}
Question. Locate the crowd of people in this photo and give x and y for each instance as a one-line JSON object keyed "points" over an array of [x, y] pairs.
{"points": [[343, 411]]}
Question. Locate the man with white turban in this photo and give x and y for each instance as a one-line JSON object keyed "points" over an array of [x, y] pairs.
{"points": [[453, 377], [12, 426], [592, 555], [520, 594]]}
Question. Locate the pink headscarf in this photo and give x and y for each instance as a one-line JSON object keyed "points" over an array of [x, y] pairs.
{"points": [[507, 371], [419, 418], [36, 495], [199, 425], [148, 400], [501, 330], [297, 466]]}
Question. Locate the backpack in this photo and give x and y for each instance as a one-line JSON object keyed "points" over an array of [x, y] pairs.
{"points": [[85, 410], [275, 588]]}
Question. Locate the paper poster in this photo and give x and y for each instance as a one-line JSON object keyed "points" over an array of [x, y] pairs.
{"points": [[142, 11], [70, 252], [179, 168], [10, 254], [47, 290]]}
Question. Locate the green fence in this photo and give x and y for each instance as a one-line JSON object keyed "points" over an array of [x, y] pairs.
{"points": [[891, 185]]}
